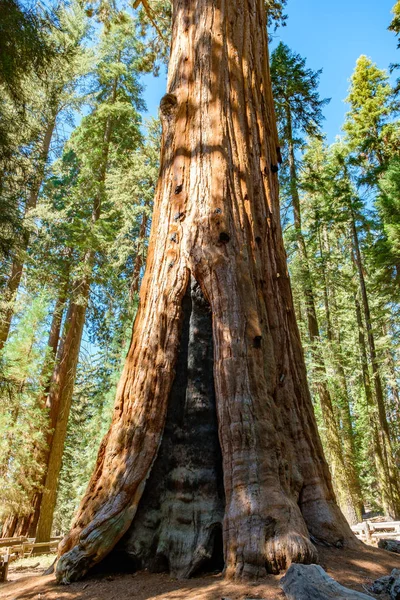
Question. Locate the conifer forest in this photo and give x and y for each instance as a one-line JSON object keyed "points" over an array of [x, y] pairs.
{"points": [[200, 308]]}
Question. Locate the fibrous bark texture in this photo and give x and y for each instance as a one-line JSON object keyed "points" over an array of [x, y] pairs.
{"points": [[216, 219]]}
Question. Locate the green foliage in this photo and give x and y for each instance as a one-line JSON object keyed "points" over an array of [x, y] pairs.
{"points": [[295, 89], [389, 205], [24, 46], [395, 27], [395, 24], [22, 415], [369, 126]]}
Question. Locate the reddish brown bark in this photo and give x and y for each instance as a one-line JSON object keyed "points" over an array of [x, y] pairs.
{"points": [[216, 218], [59, 405], [140, 257]]}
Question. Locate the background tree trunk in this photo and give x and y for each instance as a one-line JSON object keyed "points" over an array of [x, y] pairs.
{"points": [[346, 491], [25, 525], [59, 403], [62, 386], [216, 218], [12, 285], [388, 472]]}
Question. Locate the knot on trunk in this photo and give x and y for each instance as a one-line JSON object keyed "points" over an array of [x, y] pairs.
{"points": [[168, 106], [224, 237]]}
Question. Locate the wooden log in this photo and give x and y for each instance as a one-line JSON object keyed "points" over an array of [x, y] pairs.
{"points": [[389, 535], [8, 542], [311, 582]]}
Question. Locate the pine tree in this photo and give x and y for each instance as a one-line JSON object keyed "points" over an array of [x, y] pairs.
{"points": [[56, 94], [113, 123], [369, 129], [299, 113]]}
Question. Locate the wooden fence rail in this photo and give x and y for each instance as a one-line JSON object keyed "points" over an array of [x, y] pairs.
{"points": [[19, 547], [371, 530]]}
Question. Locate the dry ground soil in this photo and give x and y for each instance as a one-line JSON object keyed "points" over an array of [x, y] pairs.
{"points": [[355, 570]]}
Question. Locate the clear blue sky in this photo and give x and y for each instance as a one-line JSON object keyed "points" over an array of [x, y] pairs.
{"points": [[331, 35]]}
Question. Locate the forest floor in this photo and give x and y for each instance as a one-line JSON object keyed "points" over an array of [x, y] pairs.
{"points": [[355, 570]]}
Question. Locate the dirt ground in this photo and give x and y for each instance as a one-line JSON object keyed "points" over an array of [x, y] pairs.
{"points": [[355, 570]]}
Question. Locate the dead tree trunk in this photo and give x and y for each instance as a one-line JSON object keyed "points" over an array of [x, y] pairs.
{"points": [[216, 219]]}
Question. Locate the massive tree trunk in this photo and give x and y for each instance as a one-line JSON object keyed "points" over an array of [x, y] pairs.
{"points": [[347, 492], [216, 220]]}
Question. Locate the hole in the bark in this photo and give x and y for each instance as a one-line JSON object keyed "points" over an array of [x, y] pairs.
{"points": [[274, 168], [224, 237], [258, 240], [114, 563], [178, 189], [257, 341], [215, 563], [168, 105]]}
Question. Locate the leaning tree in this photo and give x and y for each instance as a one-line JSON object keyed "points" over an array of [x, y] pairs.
{"points": [[213, 453]]}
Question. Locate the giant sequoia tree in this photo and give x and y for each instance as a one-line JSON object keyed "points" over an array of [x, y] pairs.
{"points": [[215, 345]]}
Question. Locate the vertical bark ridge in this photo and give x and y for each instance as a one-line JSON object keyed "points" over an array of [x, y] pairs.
{"points": [[217, 216]]}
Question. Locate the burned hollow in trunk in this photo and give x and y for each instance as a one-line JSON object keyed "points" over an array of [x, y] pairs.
{"points": [[178, 525]]}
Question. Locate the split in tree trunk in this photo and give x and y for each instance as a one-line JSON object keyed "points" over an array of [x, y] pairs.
{"points": [[178, 526], [216, 219]]}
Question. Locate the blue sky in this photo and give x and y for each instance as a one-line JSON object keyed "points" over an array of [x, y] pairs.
{"points": [[331, 35]]}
